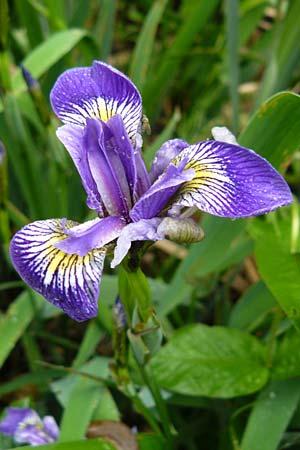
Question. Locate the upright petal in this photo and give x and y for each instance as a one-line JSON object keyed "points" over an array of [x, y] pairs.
{"points": [[158, 195], [168, 151], [106, 167], [72, 137], [98, 91], [231, 181], [136, 172], [69, 281], [98, 159]]}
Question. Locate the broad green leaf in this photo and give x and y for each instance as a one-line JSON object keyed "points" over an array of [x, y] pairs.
{"points": [[280, 270], [211, 361], [286, 363], [15, 321], [90, 444], [47, 54], [271, 132], [252, 307], [143, 49], [271, 414]]}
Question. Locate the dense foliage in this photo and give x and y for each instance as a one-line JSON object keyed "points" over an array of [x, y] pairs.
{"points": [[218, 366]]}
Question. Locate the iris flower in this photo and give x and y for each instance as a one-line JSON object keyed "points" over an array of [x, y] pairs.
{"points": [[25, 427], [102, 112]]}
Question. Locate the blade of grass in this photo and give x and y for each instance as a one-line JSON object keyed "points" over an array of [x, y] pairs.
{"points": [[144, 46], [105, 27], [271, 414], [159, 82], [166, 134], [15, 321], [47, 54], [232, 34]]}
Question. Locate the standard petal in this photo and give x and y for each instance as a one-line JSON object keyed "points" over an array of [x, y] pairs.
{"points": [[90, 235], [144, 230], [168, 151], [135, 169], [97, 91], [70, 282], [159, 194], [231, 181], [72, 137], [106, 167], [96, 155]]}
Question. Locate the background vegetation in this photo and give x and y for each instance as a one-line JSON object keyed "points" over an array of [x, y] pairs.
{"points": [[228, 374]]}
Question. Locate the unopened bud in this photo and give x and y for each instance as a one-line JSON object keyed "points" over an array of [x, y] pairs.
{"points": [[180, 230]]}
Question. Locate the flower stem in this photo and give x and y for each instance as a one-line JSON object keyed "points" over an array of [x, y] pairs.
{"points": [[159, 402]]}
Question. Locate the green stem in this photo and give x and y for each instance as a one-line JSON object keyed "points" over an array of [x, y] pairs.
{"points": [[159, 402]]}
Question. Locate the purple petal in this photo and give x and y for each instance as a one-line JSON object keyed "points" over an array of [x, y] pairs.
{"points": [[32, 434], [106, 168], [72, 138], [135, 169], [97, 91], [97, 157], [70, 282], [231, 181], [168, 151], [91, 235], [13, 417], [50, 427], [157, 197], [142, 181], [144, 230]]}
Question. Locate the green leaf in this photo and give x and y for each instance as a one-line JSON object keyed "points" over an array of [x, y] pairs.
{"points": [[271, 132], [90, 444], [47, 54], [211, 361], [286, 362], [284, 54], [150, 441], [252, 307], [15, 321], [63, 388], [271, 414], [143, 49], [280, 270]]}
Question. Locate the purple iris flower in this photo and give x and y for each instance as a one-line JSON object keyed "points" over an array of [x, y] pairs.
{"points": [[25, 427], [102, 112]]}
